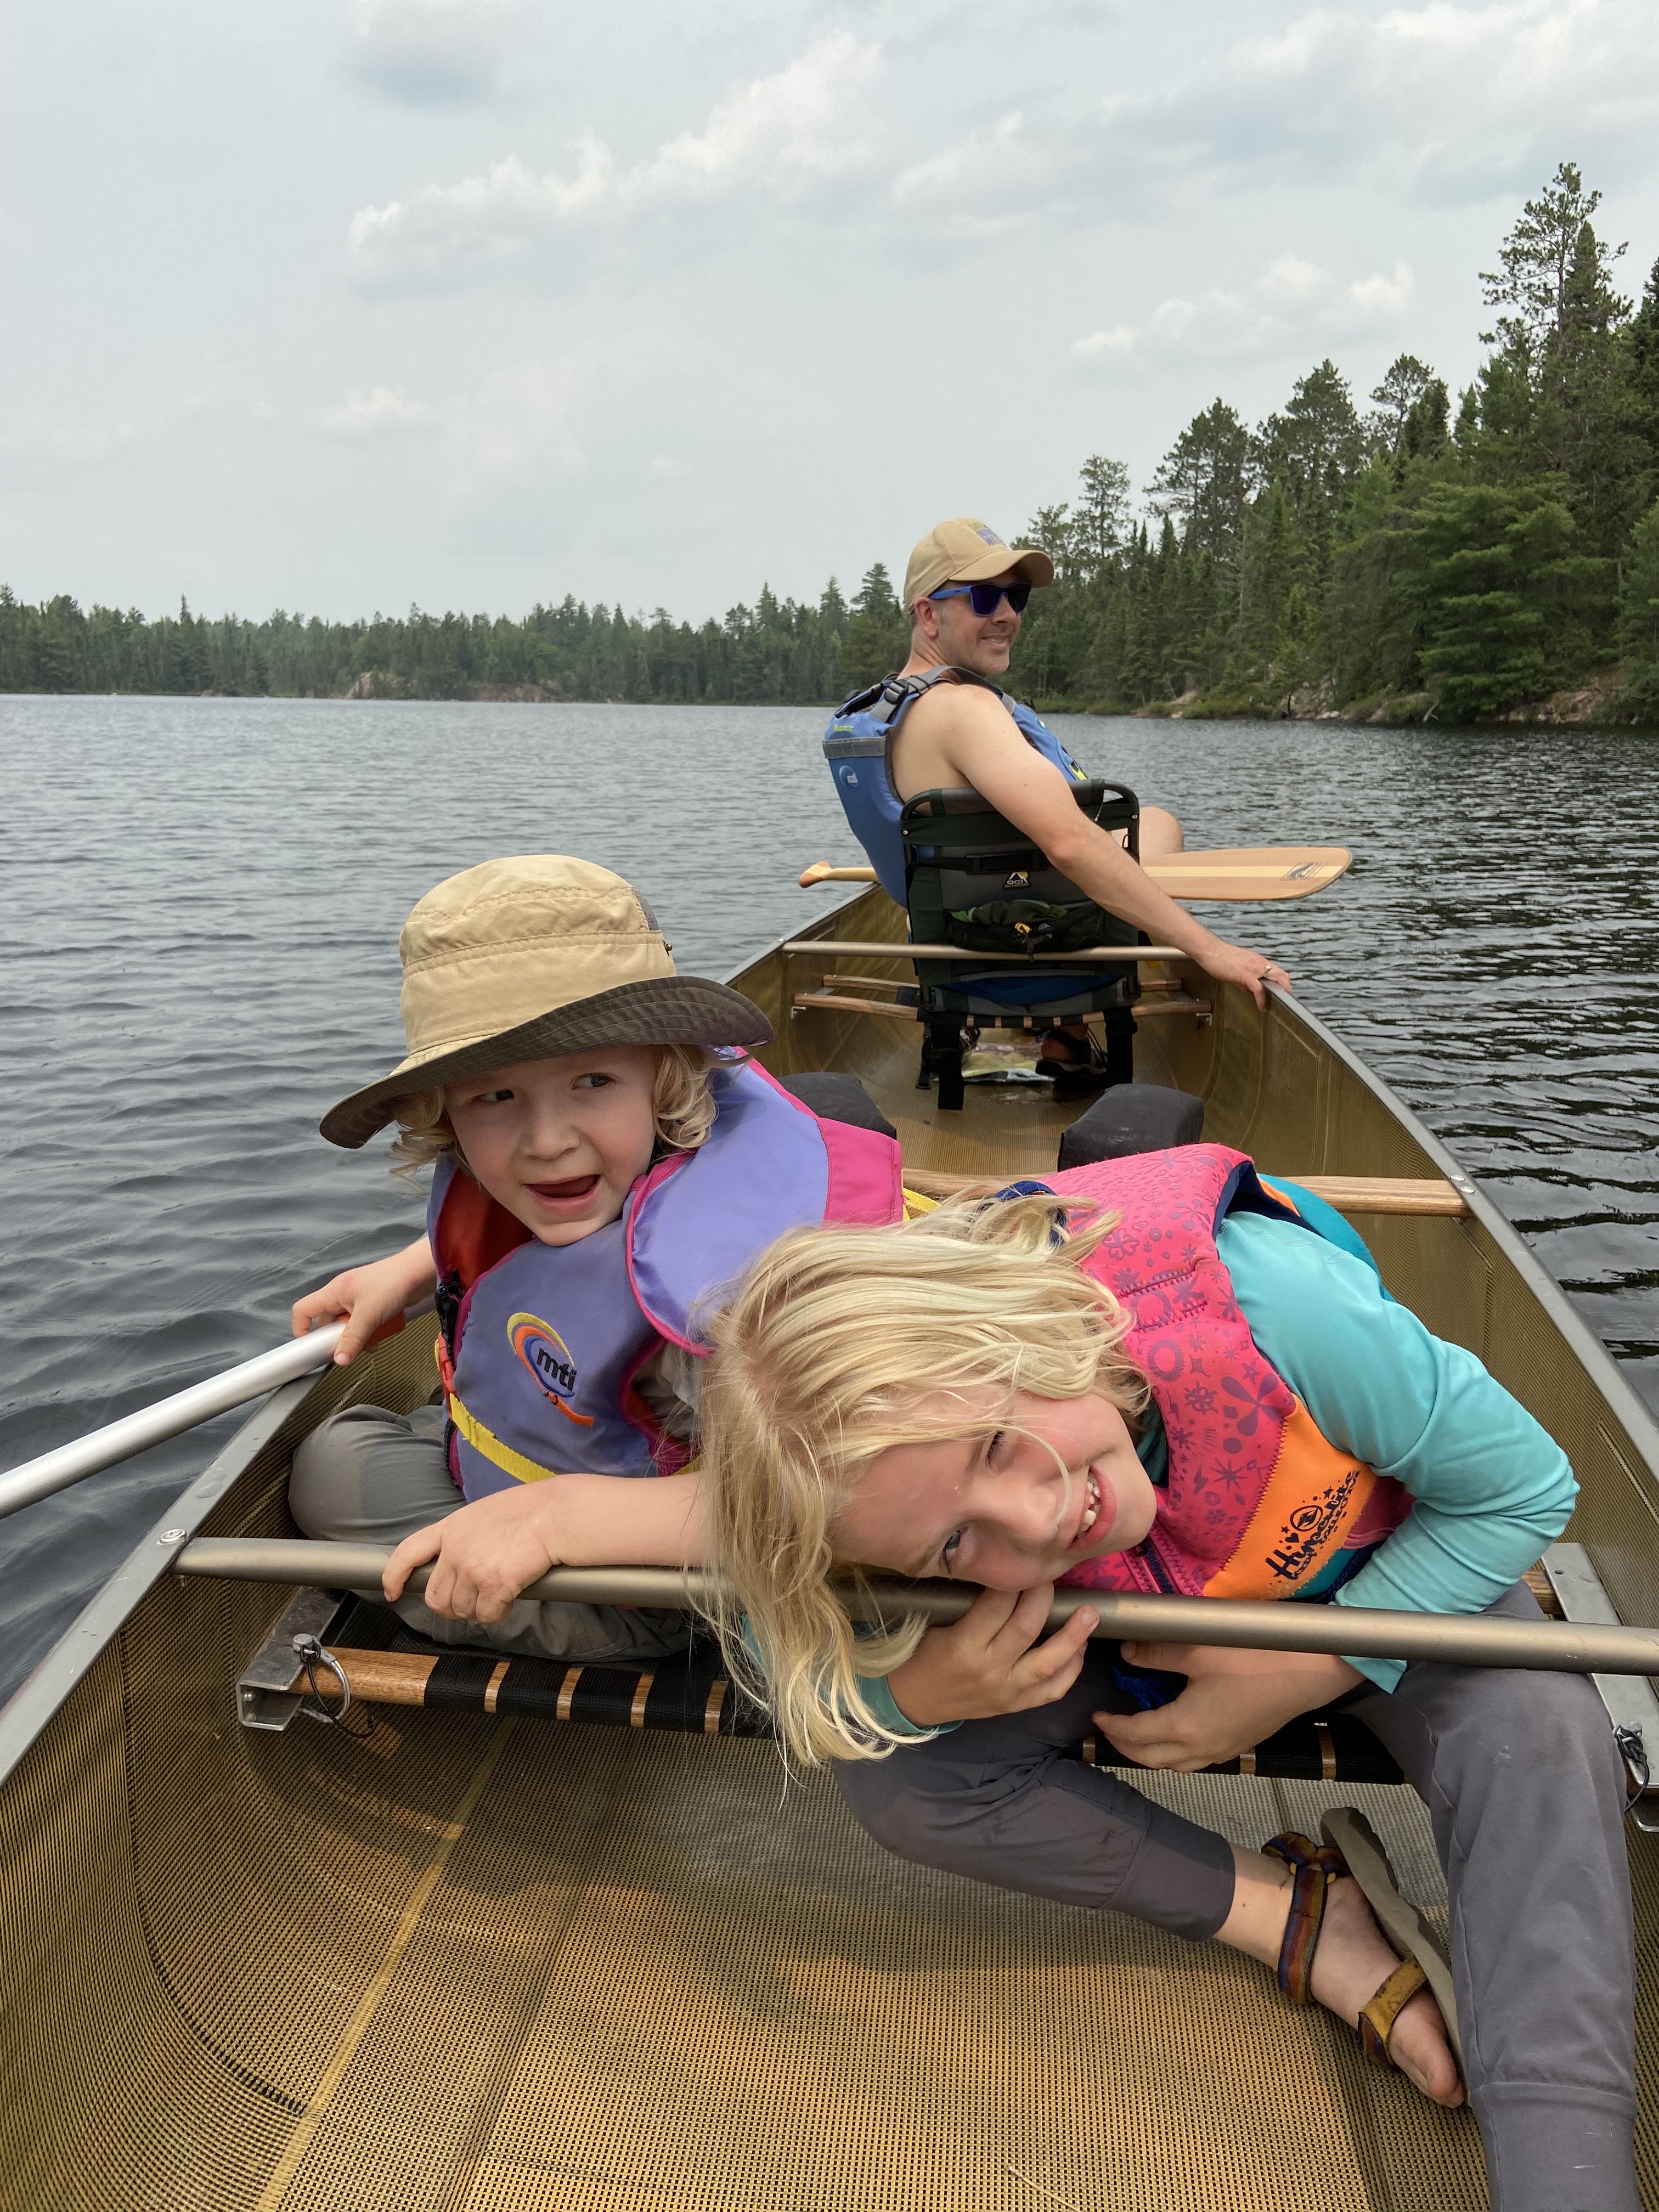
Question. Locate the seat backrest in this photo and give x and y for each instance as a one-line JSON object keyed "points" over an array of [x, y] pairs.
{"points": [[976, 880]]}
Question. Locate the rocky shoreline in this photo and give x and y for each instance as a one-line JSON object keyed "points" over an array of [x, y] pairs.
{"points": [[1583, 706]]}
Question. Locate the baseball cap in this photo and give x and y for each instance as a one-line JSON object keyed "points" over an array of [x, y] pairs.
{"points": [[966, 550]]}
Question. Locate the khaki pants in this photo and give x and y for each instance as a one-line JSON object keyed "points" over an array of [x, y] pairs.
{"points": [[366, 1476]]}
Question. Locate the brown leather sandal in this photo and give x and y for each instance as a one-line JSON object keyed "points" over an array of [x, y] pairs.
{"points": [[1353, 1847]]}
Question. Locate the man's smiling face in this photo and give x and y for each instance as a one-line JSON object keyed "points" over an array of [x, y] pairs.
{"points": [[981, 642]]}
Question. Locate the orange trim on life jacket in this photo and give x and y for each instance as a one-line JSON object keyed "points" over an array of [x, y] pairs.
{"points": [[474, 1232], [1315, 1499]]}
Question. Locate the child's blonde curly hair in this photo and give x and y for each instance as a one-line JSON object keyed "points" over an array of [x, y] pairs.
{"points": [[683, 1103], [838, 1343]]}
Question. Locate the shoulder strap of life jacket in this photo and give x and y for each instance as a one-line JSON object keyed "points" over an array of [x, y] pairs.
{"points": [[886, 700]]}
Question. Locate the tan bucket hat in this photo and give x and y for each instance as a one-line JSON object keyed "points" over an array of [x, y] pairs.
{"points": [[966, 550], [525, 958]]}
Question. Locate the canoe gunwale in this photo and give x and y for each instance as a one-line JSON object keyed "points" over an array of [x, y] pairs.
{"points": [[1623, 1399], [35, 1703]]}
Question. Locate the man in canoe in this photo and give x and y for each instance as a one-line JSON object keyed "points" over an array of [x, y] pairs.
{"points": [[605, 1156], [943, 722]]}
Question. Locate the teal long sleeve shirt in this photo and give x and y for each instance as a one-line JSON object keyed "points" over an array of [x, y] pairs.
{"points": [[1490, 1488]]}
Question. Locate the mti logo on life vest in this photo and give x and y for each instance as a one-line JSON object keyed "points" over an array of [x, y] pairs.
{"points": [[547, 1356]]}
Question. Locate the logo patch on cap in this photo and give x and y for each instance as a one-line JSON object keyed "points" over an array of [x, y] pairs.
{"points": [[984, 530]]}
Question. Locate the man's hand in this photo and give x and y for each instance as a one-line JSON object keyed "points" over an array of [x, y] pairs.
{"points": [[990, 1661], [485, 1553], [1233, 1700], [1235, 964], [366, 1299]]}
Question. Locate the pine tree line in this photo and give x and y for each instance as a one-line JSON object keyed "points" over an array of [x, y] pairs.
{"points": [[1417, 561]]}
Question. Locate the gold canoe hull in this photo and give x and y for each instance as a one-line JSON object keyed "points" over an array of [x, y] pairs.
{"points": [[479, 1964]]}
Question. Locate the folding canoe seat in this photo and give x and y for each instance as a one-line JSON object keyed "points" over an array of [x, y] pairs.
{"points": [[973, 879]]}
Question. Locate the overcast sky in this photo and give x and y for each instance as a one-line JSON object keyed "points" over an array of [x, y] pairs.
{"points": [[337, 305]]}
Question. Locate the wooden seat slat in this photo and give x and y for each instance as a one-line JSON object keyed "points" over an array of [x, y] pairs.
{"points": [[1426, 1194]]}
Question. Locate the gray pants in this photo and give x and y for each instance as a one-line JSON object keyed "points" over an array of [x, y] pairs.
{"points": [[1525, 1788], [366, 1476]]}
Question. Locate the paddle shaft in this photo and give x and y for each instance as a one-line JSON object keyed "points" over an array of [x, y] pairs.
{"points": [[1463, 1640], [170, 1417]]}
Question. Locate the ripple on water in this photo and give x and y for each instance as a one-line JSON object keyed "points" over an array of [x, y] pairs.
{"points": [[202, 904]]}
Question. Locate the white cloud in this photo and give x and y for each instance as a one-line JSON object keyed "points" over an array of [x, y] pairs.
{"points": [[1384, 295], [1438, 103], [775, 138], [1291, 281], [522, 422], [374, 414], [1441, 103], [1291, 300], [432, 53]]}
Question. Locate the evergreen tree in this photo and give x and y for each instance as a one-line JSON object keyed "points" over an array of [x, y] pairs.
{"points": [[1396, 397], [877, 639], [1639, 603], [1317, 444], [1100, 518], [1206, 477], [1491, 564]]}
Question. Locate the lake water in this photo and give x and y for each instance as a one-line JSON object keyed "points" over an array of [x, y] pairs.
{"points": [[202, 901]]}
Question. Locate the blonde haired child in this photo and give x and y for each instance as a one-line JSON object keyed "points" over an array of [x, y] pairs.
{"points": [[981, 1394], [605, 1157]]}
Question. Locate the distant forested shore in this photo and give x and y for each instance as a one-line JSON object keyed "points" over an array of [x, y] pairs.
{"points": [[1420, 560]]}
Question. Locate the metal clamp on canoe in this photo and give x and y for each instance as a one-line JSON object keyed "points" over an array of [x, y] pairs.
{"points": [[1631, 1703], [265, 1694]]}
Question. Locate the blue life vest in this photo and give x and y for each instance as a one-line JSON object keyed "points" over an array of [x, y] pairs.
{"points": [[859, 747], [542, 1343]]}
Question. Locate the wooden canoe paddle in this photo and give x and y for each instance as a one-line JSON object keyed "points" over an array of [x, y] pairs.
{"points": [[1228, 871]]}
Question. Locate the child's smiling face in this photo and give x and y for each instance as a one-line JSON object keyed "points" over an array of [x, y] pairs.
{"points": [[1045, 1483], [558, 1142]]}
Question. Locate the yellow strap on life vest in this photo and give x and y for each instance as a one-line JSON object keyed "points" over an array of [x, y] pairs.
{"points": [[498, 1454], [915, 1205]]}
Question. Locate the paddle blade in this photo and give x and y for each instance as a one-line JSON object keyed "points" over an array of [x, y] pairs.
{"points": [[1249, 871]]}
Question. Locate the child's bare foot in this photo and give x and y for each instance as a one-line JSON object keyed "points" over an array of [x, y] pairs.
{"points": [[1353, 1961]]}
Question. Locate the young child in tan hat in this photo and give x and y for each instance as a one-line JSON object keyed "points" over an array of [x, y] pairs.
{"points": [[606, 1158]]}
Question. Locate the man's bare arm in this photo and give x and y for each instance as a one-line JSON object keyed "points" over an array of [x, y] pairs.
{"points": [[969, 739]]}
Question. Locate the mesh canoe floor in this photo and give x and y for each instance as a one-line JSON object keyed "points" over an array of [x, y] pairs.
{"points": [[488, 1966], [478, 1966]]}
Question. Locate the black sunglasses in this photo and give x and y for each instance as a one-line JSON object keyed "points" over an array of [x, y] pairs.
{"points": [[987, 598]]}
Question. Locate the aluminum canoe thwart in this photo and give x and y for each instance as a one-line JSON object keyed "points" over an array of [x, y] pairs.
{"points": [[459, 1960]]}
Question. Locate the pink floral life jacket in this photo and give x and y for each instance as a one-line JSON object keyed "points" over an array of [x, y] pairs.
{"points": [[1259, 1502]]}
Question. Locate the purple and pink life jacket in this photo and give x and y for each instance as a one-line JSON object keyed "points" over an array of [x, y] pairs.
{"points": [[542, 1344], [1259, 1504]]}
